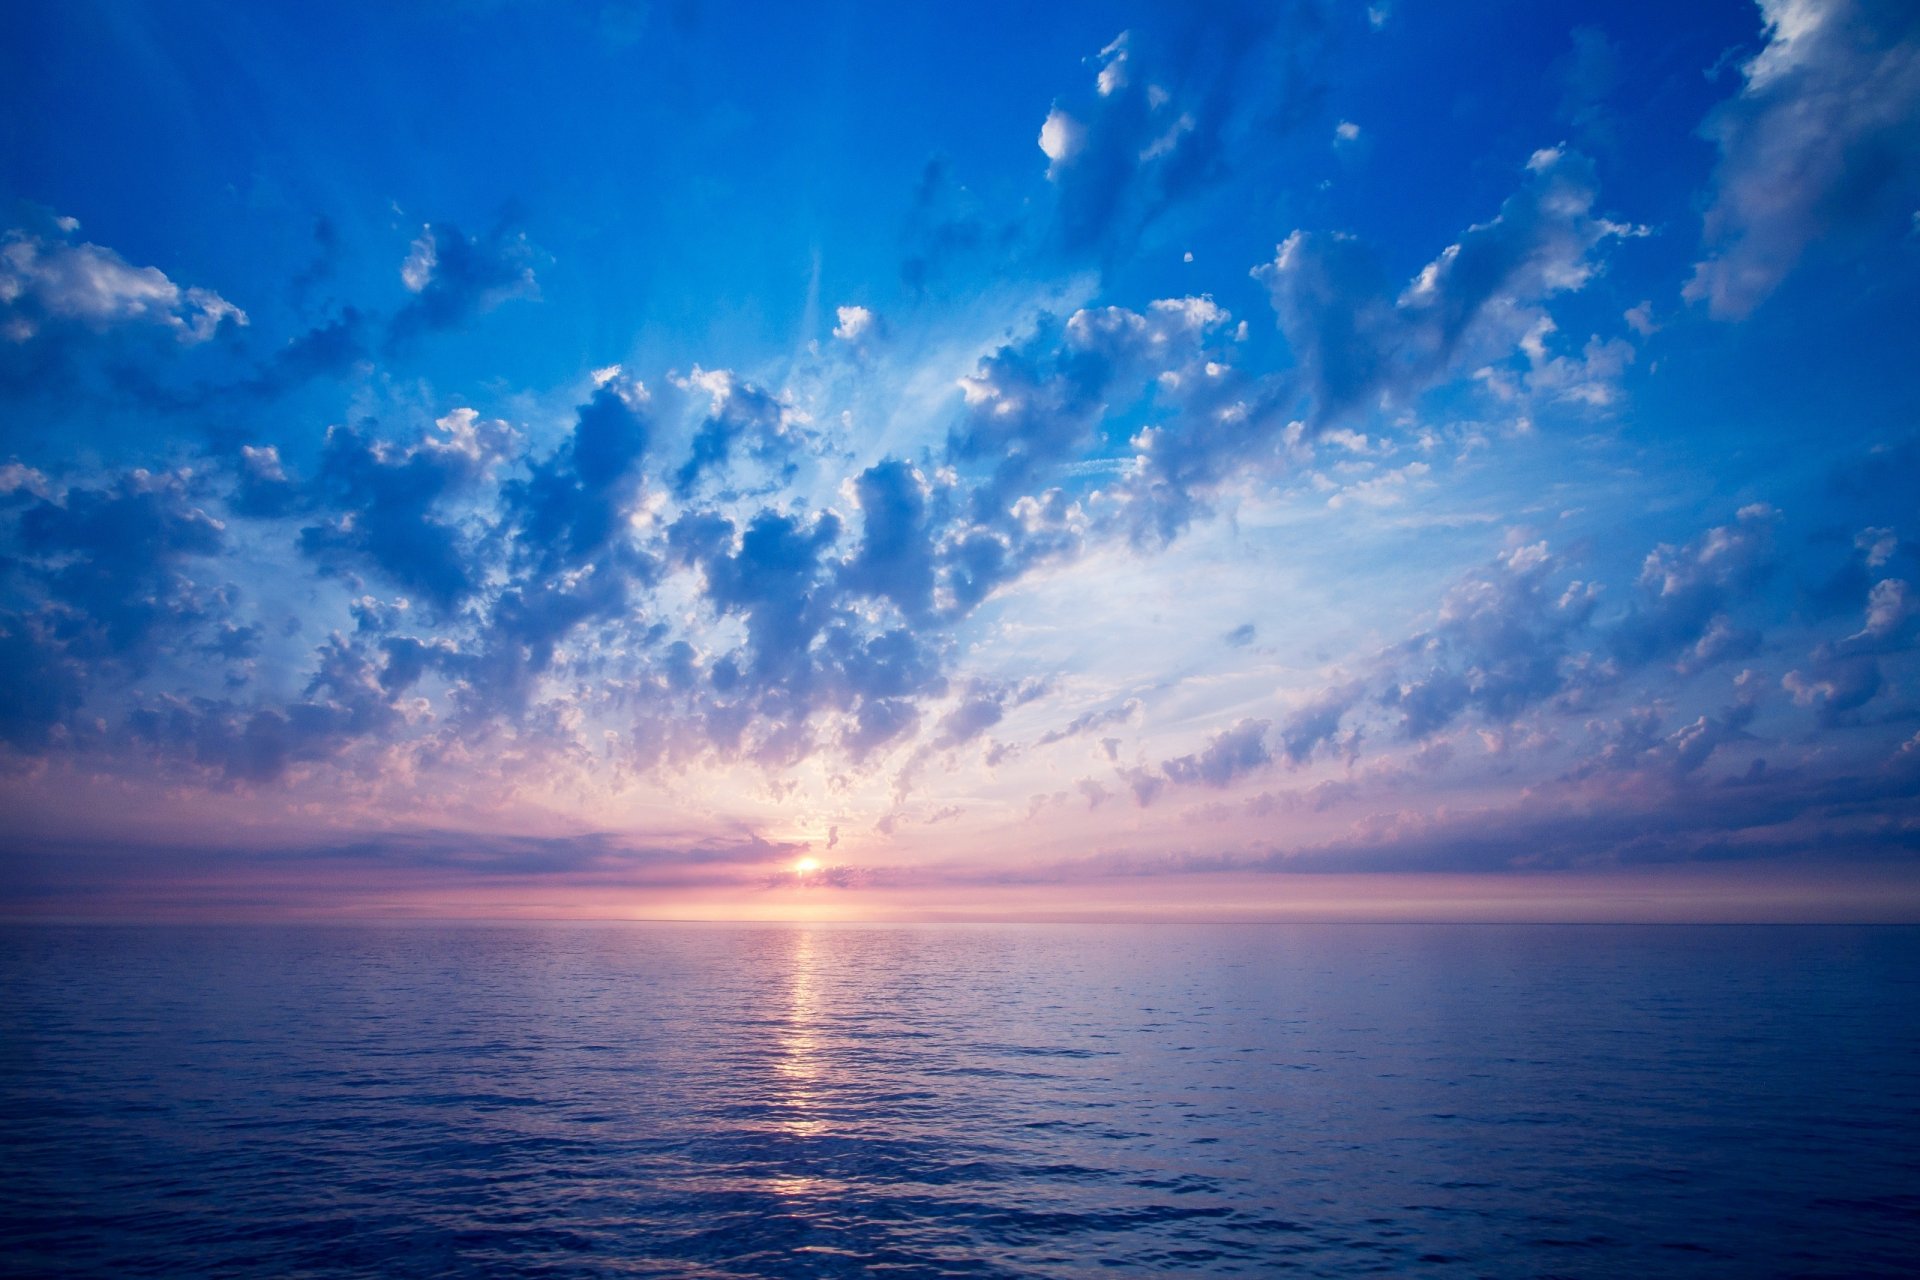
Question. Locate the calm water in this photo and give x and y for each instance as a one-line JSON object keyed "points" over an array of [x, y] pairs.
{"points": [[956, 1100]]}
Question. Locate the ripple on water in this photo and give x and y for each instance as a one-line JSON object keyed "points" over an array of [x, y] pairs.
{"points": [[958, 1101]]}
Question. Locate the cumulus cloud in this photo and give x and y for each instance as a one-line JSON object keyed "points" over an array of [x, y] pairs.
{"points": [[856, 324], [1359, 340], [52, 280], [1504, 641], [42, 682], [1038, 402], [1684, 591], [113, 558], [741, 418], [386, 505], [896, 555], [1821, 139]]}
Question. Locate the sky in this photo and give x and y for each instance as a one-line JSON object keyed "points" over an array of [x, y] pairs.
{"points": [[863, 461]]}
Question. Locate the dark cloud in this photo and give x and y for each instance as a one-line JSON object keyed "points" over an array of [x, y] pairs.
{"points": [[1222, 426], [1679, 611], [982, 706], [1317, 723], [571, 508], [51, 282], [327, 350], [895, 558], [1835, 685], [387, 505], [111, 559], [1641, 740], [214, 874], [41, 683], [807, 651], [263, 488], [1229, 754], [454, 277], [1356, 339], [1029, 404], [773, 579], [742, 415], [1034, 404], [878, 722], [91, 343], [1503, 643], [1091, 722]]}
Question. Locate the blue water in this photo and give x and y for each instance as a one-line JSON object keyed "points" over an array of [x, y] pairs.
{"points": [[708, 1101]]}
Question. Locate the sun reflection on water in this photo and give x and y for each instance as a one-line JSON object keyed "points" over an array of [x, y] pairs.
{"points": [[800, 1067]]}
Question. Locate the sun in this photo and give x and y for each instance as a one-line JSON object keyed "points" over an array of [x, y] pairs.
{"points": [[805, 865]]}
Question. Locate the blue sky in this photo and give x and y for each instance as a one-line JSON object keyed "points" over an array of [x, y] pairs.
{"points": [[865, 460]]}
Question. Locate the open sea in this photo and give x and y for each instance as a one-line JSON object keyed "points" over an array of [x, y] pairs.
{"points": [[959, 1100]]}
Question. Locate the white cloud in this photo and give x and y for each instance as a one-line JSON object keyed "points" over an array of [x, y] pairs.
{"points": [[1061, 137], [1879, 544], [43, 279], [855, 323], [1889, 606], [1113, 75], [422, 256]]}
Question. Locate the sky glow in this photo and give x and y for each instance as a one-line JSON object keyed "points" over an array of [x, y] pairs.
{"points": [[859, 462]]}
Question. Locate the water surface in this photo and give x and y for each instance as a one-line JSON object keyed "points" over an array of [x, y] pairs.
{"points": [[703, 1100]]}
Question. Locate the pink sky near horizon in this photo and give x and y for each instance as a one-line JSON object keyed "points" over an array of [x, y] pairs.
{"points": [[263, 888]]}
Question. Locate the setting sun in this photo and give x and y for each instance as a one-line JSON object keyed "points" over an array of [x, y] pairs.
{"points": [[805, 865]]}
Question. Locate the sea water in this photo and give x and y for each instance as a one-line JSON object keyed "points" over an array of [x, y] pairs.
{"points": [[959, 1100]]}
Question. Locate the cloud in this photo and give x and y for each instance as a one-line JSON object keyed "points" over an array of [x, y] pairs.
{"points": [[857, 324], [1229, 754], [386, 505], [1036, 403], [1684, 591], [983, 704], [1317, 722], [810, 656], [1821, 139], [1173, 108], [53, 281], [1091, 722], [381, 869], [570, 508], [1359, 341], [41, 682], [344, 703], [1501, 644], [454, 277], [740, 413], [1834, 685], [111, 560], [895, 558], [1891, 606]]}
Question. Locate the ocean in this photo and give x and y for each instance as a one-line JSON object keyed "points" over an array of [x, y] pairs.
{"points": [[959, 1100]]}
